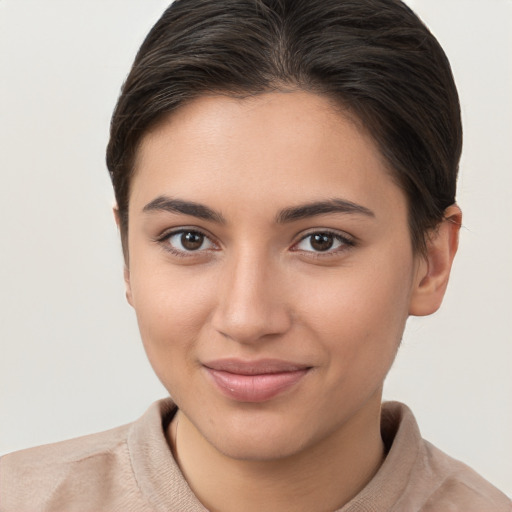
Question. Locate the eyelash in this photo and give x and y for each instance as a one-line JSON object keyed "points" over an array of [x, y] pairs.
{"points": [[345, 241], [163, 240]]}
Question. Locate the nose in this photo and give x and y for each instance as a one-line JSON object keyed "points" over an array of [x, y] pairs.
{"points": [[250, 304]]}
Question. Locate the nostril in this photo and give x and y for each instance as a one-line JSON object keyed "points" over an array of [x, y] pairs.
{"points": [[250, 324]]}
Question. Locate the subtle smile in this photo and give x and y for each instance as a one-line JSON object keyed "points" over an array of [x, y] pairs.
{"points": [[254, 381]]}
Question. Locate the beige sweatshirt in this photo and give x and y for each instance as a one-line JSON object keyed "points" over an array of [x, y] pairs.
{"points": [[131, 468]]}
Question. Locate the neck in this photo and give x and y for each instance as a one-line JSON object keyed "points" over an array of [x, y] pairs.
{"points": [[329, 473]]}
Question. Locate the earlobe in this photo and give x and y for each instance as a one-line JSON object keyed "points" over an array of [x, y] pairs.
{"points": [[117, 218], [433, 271], [128, 286]]}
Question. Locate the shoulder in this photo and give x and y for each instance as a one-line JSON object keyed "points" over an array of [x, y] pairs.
{"points": [[458, 487], [120, 469], [427, 479], [63, 453], [55, 475], [128, 469]]}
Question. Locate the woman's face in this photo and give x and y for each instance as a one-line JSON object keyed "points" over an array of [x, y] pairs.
{"points": [[270, 267]]}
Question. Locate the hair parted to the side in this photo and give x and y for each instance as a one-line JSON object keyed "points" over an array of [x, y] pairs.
{"points": [[374, 57]]}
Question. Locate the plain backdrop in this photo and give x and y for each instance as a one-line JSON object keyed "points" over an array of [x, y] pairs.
{"points": [[71, 362]]}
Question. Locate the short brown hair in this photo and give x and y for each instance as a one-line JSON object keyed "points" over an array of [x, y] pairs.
{"points": [[374, 57]]}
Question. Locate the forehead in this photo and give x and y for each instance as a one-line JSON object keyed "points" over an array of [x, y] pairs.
{"points": [[277, 147]]}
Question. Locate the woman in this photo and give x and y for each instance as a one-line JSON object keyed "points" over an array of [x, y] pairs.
{"points": [[285, 183]]}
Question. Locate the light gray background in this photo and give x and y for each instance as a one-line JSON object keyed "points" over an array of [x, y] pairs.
{"points": [[71, 361]]}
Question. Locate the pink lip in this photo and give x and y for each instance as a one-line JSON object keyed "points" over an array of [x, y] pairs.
{"points": [[254, 381]]}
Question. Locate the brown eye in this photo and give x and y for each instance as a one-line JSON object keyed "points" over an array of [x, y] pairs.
{"points": [[322, 241], [191, 240], [185, 241]]}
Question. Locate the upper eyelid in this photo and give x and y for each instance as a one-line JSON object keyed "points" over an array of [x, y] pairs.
{"points": [[348, 241], [163, 242], [329, 231], [167, 233]]}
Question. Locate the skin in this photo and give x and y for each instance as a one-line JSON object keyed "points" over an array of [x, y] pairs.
{"points": [[257, 288]]}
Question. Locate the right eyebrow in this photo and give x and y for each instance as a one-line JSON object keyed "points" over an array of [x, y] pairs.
{"points": [[168, 204]]}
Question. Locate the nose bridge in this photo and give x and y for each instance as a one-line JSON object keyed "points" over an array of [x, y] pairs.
{"points": [[250, 302]]}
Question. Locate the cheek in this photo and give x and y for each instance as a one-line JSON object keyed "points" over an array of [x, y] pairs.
{"points": [[171, 309], [359, 315]]}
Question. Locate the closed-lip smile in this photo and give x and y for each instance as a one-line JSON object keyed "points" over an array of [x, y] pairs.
{"points": [[254, 381]]}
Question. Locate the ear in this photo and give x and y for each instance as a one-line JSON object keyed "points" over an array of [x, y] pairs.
{"points": [[127, 285], [128, 288], [117, 217], [434, 268]]}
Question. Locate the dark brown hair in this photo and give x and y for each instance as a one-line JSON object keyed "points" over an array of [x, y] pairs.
{"points": [[374, 57]]}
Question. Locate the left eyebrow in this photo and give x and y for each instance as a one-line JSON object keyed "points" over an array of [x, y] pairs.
{"points": [[320, 208]]}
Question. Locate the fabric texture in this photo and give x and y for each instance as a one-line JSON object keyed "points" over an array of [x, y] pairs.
{"points": [[131, 468]]}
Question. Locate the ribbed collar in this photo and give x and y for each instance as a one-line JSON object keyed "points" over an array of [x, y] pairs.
{"points": [[157, 473], [402, 437]]}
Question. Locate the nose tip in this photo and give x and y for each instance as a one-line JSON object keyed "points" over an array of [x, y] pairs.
{"points": [[250, 326], [251, 306]]}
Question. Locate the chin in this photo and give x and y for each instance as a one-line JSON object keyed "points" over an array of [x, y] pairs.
{"points": [[259, 449], [257, 438]]}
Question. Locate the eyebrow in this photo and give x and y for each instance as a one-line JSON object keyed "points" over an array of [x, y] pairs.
{"points": [[167, 204], [294, 213], [321, 208]]}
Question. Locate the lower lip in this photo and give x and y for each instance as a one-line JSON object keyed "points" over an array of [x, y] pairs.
{"points": [[255, 388]]}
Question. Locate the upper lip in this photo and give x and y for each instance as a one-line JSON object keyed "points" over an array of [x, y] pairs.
{"points": [[257, 367]]}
